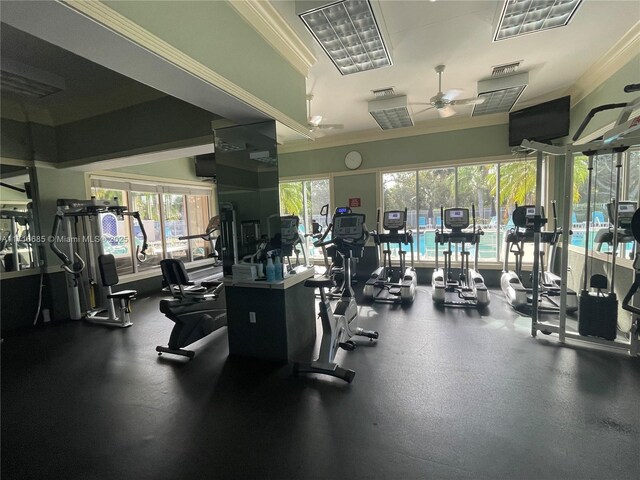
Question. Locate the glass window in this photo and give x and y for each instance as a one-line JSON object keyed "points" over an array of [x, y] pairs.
{"points": [[175, 226], [148, 205], [493, 189], [116, 232], [198, 215], [305, 199]]}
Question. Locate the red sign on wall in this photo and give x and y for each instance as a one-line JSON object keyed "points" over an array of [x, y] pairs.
{"points": [[354, 202]]}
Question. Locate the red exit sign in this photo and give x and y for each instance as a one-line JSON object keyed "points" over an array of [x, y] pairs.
{"points": [[354, 202]]}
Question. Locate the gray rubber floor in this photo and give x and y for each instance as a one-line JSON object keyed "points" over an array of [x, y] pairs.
{"points": [[442, 394]]}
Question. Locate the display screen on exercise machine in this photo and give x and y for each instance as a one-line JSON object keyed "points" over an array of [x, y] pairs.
{"points": [[456, 218]]}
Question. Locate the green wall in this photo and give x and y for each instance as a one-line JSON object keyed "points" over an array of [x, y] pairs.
{"points": [[212, 33], [610, 91], [399, 152], [176, 169]]}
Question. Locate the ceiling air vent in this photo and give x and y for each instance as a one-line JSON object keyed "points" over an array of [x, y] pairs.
{"points": [[505, 69], [391, 112], [384, 92]]}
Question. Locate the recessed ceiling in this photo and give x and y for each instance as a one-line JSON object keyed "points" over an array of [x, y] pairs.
{"points": [[459, 34], [89, 89]]}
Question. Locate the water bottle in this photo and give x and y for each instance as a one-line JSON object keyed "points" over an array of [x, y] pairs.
{"points": [[270, 270], [278, 269]]}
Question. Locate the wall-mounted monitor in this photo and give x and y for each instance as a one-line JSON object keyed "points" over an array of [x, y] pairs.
{"points": [[206, 165], [543, 122]]}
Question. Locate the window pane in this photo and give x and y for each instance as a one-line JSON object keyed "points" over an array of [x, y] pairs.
{"points": [[399, 192], [477, 186], [175, 226], [633, 175], [148, 206], [198, 214], [602, 190], [437, 188], [116, 231], [317, 195], [517, 186]]}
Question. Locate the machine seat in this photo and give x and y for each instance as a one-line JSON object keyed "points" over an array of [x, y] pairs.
{"points": [[320, 282], [126, 294]]}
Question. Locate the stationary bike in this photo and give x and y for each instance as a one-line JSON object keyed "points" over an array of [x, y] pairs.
{"points": [[341, 324]]}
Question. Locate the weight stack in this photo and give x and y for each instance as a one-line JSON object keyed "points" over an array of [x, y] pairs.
{"points": [[598, 315]]}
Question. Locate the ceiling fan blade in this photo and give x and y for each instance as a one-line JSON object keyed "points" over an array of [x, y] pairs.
{"points": [[469, 101], [419, 103], [452, 93], [330, 126], [446, 111], [424, 110], [315, 120]]}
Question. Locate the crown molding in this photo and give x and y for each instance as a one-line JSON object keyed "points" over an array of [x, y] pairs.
{"points": [[621, 53], [438, 125], [268, 22], [109, 18]]}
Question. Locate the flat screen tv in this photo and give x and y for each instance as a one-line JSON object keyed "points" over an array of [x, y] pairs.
{"points": [[206, 165], [542, 122]]}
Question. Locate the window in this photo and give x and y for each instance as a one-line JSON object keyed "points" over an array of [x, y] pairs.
{"points": [[167, 212], [305, 199], [493, 189], [602, 192]]}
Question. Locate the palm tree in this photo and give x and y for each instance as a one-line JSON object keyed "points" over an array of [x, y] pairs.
{"points": [[291, 198]]}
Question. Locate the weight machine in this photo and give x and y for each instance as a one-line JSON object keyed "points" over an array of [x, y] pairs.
{"points": [[624, 134], [519, 296], [399, 282], [469, 289], [78, 226]]}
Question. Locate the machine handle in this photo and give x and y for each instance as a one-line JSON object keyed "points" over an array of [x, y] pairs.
{"points": [[632, 87], [67, 264], [141, 253], [591, 114]]}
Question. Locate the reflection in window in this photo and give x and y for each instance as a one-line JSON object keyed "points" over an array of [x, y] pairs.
{"points": [[305, 199]]}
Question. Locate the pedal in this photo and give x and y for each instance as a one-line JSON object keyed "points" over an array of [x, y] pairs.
{"points": [[348, 345], [395, 291]]}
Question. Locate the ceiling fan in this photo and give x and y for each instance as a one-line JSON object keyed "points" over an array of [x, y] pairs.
{"points": [[314, 122], [444, 102]]}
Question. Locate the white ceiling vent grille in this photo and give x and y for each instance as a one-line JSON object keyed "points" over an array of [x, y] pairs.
{"points": [[348, 32], [505, 69], [391, 112], [384, 92], [500, 93]]}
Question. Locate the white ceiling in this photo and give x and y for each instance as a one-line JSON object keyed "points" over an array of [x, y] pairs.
{"points": [[458, 34]]}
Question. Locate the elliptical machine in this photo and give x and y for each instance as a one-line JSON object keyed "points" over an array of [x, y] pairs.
{"points": [[519, 296], [399, 282], [469, 289], [339, 325]]}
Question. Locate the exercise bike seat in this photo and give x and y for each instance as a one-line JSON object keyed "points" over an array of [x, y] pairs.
{"points": [[320, 282]]}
